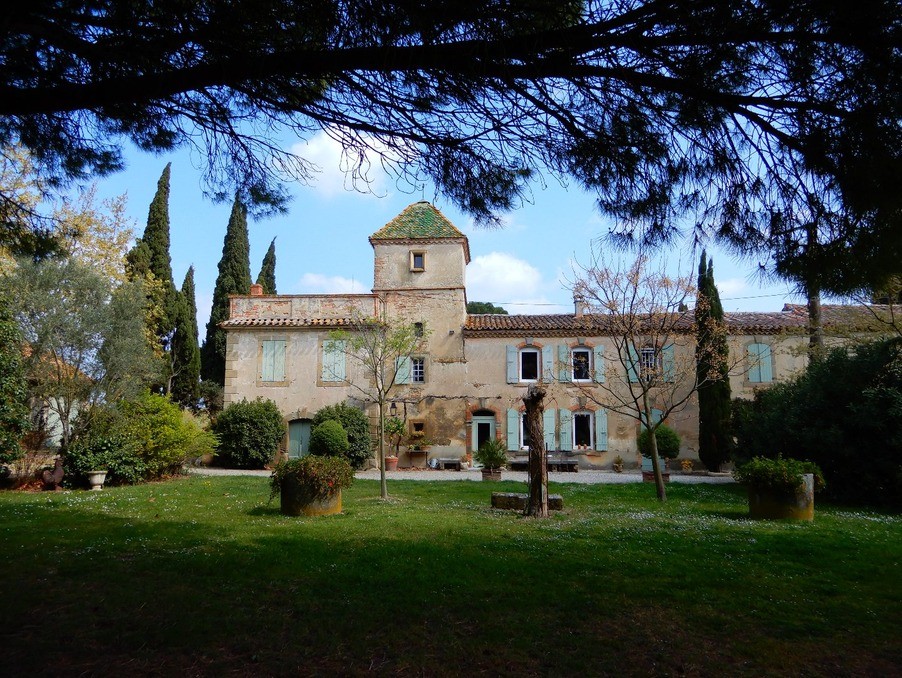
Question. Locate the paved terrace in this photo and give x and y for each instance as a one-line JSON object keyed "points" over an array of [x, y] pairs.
{"points": [[583, 477]]}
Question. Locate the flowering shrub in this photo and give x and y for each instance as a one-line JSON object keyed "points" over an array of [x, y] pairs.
{"points": [[778, 475], [316, 477]]}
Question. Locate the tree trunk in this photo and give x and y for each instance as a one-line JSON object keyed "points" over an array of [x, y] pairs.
{"points": [[383, 487], [537, 506], [655, 466], [815, 324]]}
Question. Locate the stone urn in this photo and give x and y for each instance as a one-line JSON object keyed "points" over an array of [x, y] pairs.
{"points": [[96, 480]]}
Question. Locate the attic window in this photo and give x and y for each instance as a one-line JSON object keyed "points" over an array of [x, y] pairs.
{"points": [[417, 261]]}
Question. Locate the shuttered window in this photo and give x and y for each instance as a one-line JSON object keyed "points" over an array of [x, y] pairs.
{"points": [[334, 360], [760, 363], [272, 363]]}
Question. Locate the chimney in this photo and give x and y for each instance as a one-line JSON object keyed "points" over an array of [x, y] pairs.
{"points": [[256, 290], [579, 306]]}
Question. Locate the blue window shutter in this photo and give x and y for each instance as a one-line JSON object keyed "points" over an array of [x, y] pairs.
{"points": [[598, 356], [669, 362], [767, 371], [278, 361], [513, 430], [601, 430], [333, 360], [632, 363], [513, 370], [760, 363], [266, 364], [547, 364], [754, 363], [563, 361], [548, 429], [566, 436], [402, 370]]}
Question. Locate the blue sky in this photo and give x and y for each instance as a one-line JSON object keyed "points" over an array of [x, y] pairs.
{"points": [[322, 246]]}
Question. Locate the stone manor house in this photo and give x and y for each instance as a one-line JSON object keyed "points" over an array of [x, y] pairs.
{"points": [[466, 385]]}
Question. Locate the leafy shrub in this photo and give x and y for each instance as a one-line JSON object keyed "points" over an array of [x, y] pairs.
{"points": [[778, 475], [329, 439], [317, 477], [667, 439], [140, 439], [249, 433], [843, 413], [492, 454], [356, 424]]}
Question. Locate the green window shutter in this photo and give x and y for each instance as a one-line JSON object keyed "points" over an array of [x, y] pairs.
{"points": [[760, 363], [669, 362], [547, 364], [334, 360], [548, 429], [632, 364], [266, 364], [566, 435], [563, 361], [513, 371], [601, 430], [513, 430], [402, 370], [598, 357]]}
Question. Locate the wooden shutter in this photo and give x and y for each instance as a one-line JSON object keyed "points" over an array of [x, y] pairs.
{"points": [[272, 363], [760, 363], [598, 358], [632, 363], [565, 367], [403, 370], [548, 430], [334, 360], [513, 430], [513, 370], [668, 360], [547, 364], [601, 430], [565, 438]]}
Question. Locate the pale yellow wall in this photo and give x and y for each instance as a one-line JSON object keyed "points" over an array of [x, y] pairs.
{"points": [[445, 262]]}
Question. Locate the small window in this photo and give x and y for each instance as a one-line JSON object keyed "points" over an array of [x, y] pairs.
{"points": [[529, 364], [524, 434], [582, 364], [649, 361], [417, 370], [418, 329], [417, 261], [582, 431]]}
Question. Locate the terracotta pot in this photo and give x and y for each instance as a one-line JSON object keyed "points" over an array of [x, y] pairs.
{"points": [[391, 463], [293, 504]]}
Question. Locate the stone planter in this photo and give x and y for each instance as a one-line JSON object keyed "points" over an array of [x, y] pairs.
{"points": [[294, 504], [96, 480], [766, 504], [491, 474]]}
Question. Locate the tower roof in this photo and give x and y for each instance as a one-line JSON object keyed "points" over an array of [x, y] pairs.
{"points": [[419, 220]]}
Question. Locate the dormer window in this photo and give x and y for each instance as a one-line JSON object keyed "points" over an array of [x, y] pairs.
{"points": [[417, 261]]}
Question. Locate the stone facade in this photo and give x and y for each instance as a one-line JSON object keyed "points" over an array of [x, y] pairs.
{"points": [[469, 388]]}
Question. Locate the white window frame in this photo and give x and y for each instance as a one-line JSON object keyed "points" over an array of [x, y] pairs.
{"points": [[589, 366], [523, 445], [538, 355], [591, 416], [417, 370]]}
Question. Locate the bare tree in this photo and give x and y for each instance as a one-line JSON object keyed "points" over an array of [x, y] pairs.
{"points": [[537, 505], [652, 370], [382, 349]]}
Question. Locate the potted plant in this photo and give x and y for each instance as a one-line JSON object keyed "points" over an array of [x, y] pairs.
{"points": [[310, 485], [394, 433], [618, 464], [668, 448], [493, 457], [686, 465], [780, 488]]}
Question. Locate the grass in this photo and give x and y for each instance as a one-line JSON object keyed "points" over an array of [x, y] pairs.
{"points": [[199, 576]]}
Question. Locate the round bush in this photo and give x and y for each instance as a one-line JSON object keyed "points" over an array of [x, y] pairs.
{"points": [[249, 433], [668, 442], [329, 439], [357, 425]]}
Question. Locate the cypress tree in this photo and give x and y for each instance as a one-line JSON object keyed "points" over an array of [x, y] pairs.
{"points": [[185, 351], [234, 278], [267, 276], [715, 439], [13, 387], [156, 237]]}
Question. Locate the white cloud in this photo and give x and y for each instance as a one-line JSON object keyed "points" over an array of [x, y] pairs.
{"points": [[733, 287], [334, 177], [504, 280], [317, 283]]}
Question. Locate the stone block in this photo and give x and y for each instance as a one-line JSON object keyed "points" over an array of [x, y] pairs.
{"points": [[516, 501]]}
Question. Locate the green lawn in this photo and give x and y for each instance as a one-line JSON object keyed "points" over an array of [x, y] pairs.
{"points": [[200, 576]]}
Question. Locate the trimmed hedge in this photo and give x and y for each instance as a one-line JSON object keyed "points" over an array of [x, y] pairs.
{"points": [[249, 433], [329, 439], [667, 439], [356, 424]]}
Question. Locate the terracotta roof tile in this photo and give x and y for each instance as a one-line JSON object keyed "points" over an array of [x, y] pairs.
{"points": [[285, 322]]}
